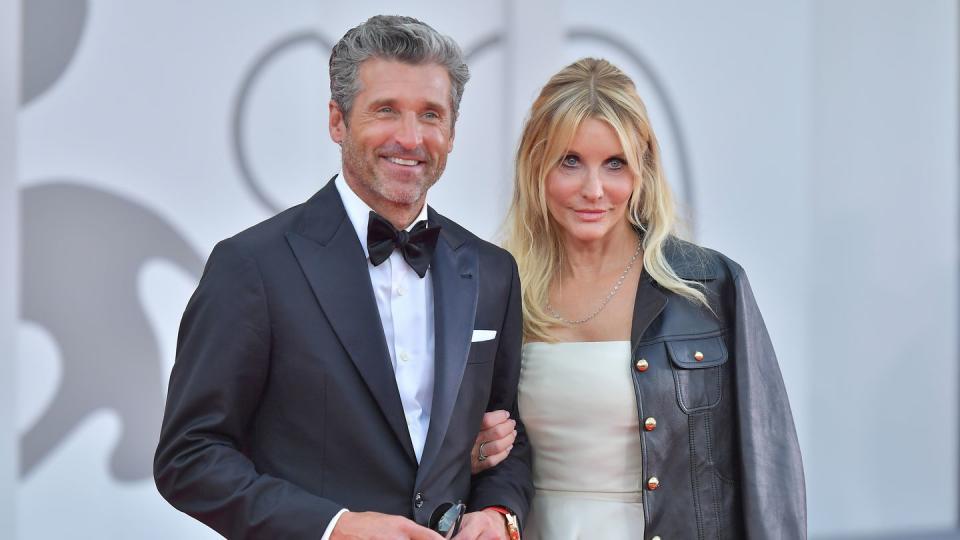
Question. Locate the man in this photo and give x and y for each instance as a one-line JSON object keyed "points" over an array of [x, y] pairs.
{"points": [[334, 364]]}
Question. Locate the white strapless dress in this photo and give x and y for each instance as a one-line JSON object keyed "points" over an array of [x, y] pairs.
{"points": [[578, 405]]}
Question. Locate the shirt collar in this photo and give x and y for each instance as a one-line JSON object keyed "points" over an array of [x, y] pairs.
{"points": [[359, 212]]}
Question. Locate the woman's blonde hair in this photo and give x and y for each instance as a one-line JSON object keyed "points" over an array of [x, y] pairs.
{"points": [[587, 88]]}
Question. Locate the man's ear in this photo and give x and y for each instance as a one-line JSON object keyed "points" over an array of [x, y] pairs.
{"points": [[338, 124]]}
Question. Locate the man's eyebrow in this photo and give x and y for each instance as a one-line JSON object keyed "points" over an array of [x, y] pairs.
{"points": [[381, 102], [433, 105], [427, 104]]}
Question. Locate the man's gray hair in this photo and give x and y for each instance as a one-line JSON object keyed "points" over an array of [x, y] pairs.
{"points": [[393, 37]]}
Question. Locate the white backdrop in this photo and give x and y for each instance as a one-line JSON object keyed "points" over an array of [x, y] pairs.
{"points": [[9, 79], [884, 189], [815, 142]]}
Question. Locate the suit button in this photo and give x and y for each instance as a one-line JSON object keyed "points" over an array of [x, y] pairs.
{"points": [[418, 500], [650, 424], [655, 538], [642, 365], [653, 483]]}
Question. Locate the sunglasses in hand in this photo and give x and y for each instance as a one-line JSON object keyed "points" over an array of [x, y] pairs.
{"points": [[446, 519]]}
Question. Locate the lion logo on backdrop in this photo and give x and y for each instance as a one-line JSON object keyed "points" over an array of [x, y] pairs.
{"points": [[82, 250]]}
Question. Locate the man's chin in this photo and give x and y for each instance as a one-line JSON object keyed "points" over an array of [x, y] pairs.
{"points": [[402, 195], [403, 191]]}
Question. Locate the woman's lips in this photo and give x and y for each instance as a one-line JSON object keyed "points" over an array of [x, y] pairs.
{"points": [[590, 214]]}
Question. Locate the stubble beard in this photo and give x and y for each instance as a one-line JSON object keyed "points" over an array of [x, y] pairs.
{"points": [[363, 170]]}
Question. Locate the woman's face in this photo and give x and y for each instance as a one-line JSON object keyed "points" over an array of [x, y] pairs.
{"points": [[587, 192]]}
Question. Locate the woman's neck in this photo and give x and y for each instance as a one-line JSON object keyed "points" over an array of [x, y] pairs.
{"points": [[585, 260]]}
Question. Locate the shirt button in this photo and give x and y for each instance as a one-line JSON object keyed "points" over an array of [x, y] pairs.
{"points": [[401, 290], [404, 357]]}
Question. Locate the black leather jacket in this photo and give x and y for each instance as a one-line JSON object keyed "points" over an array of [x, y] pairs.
{"points": [[720, 452]]}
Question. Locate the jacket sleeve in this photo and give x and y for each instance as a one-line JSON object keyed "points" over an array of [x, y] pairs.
{"points": [[774, 495], [222, 363], [508, 484]]}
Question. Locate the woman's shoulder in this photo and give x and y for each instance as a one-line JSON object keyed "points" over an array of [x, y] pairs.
{"points": [[698, 263]]}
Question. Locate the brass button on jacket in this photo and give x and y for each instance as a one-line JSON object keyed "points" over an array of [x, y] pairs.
{"points": [[653, 483], [650, 424], [642, 365]]}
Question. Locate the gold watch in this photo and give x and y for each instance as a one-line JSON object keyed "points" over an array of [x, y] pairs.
{"points": [[513, 526], [512, 523]]}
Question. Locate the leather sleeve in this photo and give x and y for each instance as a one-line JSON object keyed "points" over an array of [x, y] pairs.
{"points": [[509, 484], [774, 494], [222, 363]]}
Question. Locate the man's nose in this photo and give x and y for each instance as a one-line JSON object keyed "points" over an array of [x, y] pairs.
{"points": [[408, 134]]}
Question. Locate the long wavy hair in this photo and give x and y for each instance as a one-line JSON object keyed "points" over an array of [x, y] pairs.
{"points": [[587, 88]]}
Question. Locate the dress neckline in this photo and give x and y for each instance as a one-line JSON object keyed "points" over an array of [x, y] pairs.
{"points": [[555, 343]]}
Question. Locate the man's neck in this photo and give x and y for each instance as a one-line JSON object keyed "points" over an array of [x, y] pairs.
{"points": [[400, 216]]}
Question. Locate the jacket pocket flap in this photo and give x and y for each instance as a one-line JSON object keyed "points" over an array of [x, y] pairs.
{"points": [[697, 353]]}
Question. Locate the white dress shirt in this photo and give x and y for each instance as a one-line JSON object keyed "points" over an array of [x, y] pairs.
{"points": [[405, 303]]}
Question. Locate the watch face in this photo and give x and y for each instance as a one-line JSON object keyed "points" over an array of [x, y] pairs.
{"points": [[513, 527]]}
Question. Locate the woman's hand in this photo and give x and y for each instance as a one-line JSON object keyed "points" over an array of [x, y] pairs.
{"points": [[494, 442]]}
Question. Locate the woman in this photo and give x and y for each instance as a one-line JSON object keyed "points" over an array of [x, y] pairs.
{"points": [[649, 390]]}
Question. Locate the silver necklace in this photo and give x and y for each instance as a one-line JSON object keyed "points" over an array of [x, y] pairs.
{"points": [[556, 315]]}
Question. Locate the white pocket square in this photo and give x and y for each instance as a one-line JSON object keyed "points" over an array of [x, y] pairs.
{"points": [[483, 335]]}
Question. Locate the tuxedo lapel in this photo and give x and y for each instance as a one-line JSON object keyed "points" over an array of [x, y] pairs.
{"points": [[329, 252], [455, 272]]}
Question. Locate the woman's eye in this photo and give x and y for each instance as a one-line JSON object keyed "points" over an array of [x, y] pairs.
{"points": [[616, 164], [570, 161]]}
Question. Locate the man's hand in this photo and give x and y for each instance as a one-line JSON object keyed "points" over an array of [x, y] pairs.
{"points": [[483, 525], [497, 433], [376, 526]]}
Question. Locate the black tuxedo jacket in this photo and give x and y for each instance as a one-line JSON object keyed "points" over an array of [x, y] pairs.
{"points": [[283, 407]]}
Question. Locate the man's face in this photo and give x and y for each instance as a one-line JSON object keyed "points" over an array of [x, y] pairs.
{"points": [[400, 132]]}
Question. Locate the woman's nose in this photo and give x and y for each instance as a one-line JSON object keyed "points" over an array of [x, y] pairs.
{"points": [[592, 187]]}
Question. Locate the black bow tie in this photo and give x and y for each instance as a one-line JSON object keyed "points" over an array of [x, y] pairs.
{"points": [[416, 246]]}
